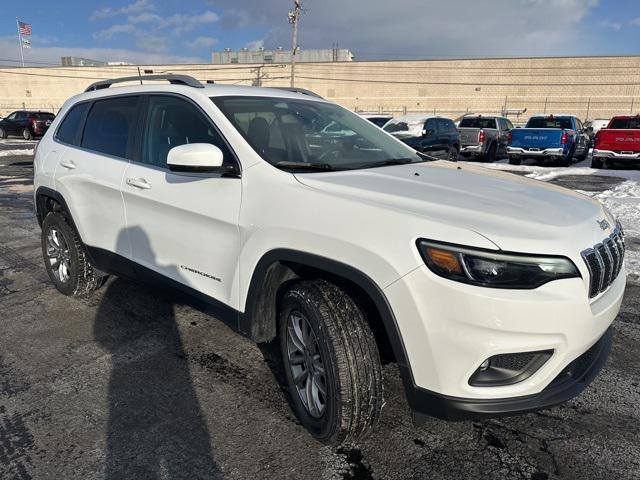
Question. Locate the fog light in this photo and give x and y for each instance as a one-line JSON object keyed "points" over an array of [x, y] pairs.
{"points": [[508, 368], [484, 365]]}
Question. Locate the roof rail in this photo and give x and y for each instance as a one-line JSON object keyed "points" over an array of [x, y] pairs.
{"points": [[303, 91], [170, 77]]}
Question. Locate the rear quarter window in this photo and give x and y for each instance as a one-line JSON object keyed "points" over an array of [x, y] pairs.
{"points": [[71, 126]]}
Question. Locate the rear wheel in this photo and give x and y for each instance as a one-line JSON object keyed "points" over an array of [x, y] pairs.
{"points": [[66, 260], [597, 163], [515, 160], [491, 153], [331, 362], [3, 133], [26, 134], [568, 160]]}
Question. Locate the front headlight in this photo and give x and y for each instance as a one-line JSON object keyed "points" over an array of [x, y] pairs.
{"points": [[494, 269]]}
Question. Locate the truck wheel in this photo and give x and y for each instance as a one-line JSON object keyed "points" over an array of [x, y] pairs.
{"points": [[331, 362], [566, 161], [66, 260], [26, 134], [597, 163], [3, 134], [453, 153], [491, 153], [515, 161]]}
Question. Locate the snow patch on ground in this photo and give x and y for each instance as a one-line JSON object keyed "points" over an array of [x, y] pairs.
{"points": [[9, 153]]}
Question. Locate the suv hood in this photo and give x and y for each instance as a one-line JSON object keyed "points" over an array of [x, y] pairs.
{"points": [[516, 213]]}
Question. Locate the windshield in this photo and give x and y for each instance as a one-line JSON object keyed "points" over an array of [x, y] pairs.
{"points": [[286, 132], [550, 122], [477, 122], [405, 126], [625, 123]]}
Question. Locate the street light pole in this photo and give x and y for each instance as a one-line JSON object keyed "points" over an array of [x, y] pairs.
{"points": [[294, 17]]}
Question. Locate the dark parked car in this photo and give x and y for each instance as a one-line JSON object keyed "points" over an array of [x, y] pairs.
{"points": [[435, 136], [27, 124]]}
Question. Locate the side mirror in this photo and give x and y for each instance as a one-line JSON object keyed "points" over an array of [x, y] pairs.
{"points": [[195, 157], [426, 132], [589, 129]]}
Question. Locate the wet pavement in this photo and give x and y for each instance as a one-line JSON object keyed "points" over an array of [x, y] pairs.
{"points": [[135, 377]]}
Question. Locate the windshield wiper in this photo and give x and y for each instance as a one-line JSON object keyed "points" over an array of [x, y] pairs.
{"points": [[303, 166], [387, 163]]}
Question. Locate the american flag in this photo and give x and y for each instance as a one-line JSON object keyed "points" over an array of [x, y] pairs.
{"points": [[25, 28]]}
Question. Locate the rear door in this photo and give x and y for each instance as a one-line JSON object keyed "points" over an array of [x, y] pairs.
{"points": [[11, 123], [91, 167], [183, 225], [431, 143]]}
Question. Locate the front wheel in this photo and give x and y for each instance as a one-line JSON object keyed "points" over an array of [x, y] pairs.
{"points": [[65, 258], [26, 134], [452, 154], [331, 362]]}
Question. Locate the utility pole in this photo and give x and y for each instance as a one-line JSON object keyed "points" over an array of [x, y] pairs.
{"points": [[294, 18]]}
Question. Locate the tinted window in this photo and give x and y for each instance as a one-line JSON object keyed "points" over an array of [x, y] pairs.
{"points": [[550, 122], [430, 126], [477, 122], [442, 125], [170, 122], [109, 125], [625, 123], [69, 129], [44, 116]]}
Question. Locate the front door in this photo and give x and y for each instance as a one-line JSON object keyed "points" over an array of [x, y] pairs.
{"points": [[183, 225]]}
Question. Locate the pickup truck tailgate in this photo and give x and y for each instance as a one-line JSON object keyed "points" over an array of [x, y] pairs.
{"points": [[468, 136], [540, 138], [618, 140]]}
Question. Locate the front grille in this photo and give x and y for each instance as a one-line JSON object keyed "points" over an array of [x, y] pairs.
{"points": [[604, 261]]}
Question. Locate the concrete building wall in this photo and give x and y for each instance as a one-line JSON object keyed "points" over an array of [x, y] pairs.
{"points": [[591, 87], [280, 56]]}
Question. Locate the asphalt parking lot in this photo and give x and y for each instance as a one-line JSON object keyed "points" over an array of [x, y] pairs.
{"points": [[133, 383]]}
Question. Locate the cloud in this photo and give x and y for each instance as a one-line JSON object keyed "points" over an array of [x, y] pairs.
{"points": [[615, 26], [423, 28], [636, 22], [113, 30], [135, 7], [52, 54], [255, 45], [176, 24], [201, 42]]}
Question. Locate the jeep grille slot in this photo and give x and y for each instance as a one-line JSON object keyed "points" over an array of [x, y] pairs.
{"points": [[604, 261]]}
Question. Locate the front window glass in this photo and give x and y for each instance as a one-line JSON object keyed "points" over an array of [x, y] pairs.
{"points": [[290, 132]]}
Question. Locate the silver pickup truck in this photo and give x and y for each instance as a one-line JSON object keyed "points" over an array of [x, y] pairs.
{"points": [[483, 136]]}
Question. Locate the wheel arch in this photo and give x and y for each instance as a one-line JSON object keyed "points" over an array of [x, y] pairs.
{"points": [[48, 200], [278, 268]]}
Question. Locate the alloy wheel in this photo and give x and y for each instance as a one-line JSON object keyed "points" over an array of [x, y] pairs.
{"points": [[58, 255], [305, 364]]}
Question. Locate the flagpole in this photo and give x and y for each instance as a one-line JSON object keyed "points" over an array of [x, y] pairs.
{"points": [[20, 41]]}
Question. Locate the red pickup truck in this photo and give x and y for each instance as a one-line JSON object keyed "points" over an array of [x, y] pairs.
{"points": [[619, 142]]}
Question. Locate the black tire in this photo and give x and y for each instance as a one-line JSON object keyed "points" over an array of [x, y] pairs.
{"points": [[583, 156], [490, 156], [348, 355], [568, 160], [515, 161], [26, 134], [83, 277], [453, 153], [597, 163], [3, 134]]}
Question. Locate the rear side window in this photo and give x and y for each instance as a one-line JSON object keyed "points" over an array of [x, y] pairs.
{"points": [[109, 126], [70, 128]]}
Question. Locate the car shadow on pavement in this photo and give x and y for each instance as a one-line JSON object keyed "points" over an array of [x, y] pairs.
{"points": [[156, 428]]}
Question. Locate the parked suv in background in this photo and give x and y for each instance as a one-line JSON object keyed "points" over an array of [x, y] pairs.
{"points": [[618, 142], [434, 136], [559, 138], [484, 136], [378, 119], [492, 292], [26, 124]]}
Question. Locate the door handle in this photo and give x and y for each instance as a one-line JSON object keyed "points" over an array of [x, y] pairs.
{"points": [[138, 183], [68, 164]]}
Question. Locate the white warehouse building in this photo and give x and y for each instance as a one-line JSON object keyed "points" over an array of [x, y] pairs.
{"points": [[280, 55]]}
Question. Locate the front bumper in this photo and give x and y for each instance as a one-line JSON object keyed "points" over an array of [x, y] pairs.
{"points": [[610, 155], [449, 329], [523, 152]]}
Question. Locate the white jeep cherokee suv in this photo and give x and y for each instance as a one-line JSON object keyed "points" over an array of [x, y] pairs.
{"points": [[493, 293]]}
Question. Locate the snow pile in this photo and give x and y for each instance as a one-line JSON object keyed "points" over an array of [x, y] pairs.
{"points": [[10, 153]]}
